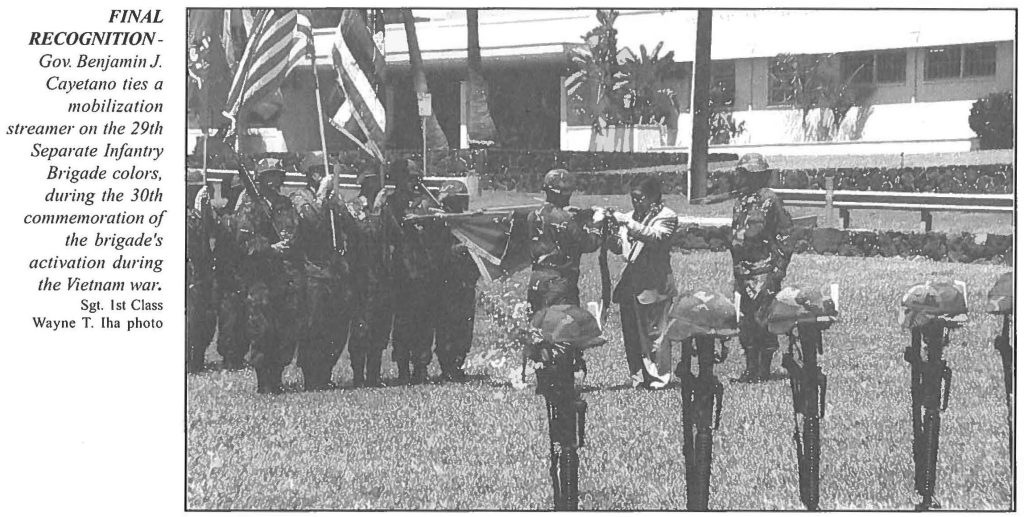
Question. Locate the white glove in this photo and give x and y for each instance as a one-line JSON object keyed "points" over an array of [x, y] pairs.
{"points": [[599, 214]]}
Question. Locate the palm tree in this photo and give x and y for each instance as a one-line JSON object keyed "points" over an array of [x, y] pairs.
{"points": [[434, 134], [481, 125]]}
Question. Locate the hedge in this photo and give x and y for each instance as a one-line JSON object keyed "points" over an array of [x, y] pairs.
{"points": [[954, 179], [523, 171], [962, 247], [511, 169]]}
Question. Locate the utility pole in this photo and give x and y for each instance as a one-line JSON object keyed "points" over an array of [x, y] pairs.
{"points": [[700, 107]]}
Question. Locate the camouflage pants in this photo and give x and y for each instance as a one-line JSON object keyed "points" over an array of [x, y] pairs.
{"points": [[549, 288], [369, 334], [756, 295], [325, 317], [416, 308], [200, 323], [455, 325], [273, 326], [231, 339]]}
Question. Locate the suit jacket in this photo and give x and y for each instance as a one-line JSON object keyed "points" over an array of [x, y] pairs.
{"points": [[647, 276]]}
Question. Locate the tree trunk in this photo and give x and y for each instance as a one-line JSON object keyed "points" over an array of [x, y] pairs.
{"points": [[481, 125], [700, 107], [435, 136]]}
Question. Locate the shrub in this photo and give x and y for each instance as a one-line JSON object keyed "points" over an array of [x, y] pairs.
{"points": [[992, 119]]}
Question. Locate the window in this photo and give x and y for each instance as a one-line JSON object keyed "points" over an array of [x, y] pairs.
{"points": [[781, 81], [723, 83], [942, 63], [863, 65], [875, 67], [979, 60], [891, 67], [960, 61]]}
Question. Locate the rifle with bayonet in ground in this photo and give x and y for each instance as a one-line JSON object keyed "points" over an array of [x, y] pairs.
{"points": [[802, 315], [931, 311], [697, 320]]}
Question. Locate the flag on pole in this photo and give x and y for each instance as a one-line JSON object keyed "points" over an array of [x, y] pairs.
{"points": [[275, 45], [358, 55]]}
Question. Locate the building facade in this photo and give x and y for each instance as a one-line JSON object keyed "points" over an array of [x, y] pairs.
{"points": [[916, 72]]}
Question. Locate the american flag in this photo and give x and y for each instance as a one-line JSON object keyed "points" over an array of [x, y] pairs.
{"points": [[358, 56], [277, 42]]}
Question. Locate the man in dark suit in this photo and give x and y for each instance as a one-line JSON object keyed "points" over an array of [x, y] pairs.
{"points": [[647, 287]]}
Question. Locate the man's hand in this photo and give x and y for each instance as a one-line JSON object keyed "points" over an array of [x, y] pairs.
{"points": [[281, 246]]}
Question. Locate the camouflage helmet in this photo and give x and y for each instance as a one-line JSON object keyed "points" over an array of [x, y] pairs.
{"points": [[1000, 297], [924, 302], [568, 324], [313, 163], [269, 168], [753, 163], [796, 305], [559, 181], [701, 313]]}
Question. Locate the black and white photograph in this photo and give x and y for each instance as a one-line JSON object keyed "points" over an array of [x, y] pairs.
{"points": [[598, 259]]}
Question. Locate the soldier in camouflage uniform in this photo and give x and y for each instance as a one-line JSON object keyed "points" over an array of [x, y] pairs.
{"points": [[328, 302], [557, 241], [200, 319], [229, 295], [414, 269], [369, 255], [272, 274], [761, 252], [457, 293]]}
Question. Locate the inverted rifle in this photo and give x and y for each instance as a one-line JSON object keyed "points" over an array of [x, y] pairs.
{"points": [[930, 380], [566, 414], [1002, 345], [702, 413], [809, 385]]}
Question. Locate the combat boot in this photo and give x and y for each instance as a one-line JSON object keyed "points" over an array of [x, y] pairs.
{"points": [[419, 375], [358, 367], [373, 371], [764, 366], [750, 373], [403, 373]]}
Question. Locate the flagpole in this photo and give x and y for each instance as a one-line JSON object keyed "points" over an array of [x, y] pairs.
{"points": [[320, 123]]}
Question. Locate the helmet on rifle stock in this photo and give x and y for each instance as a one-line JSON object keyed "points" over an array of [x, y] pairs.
{"points": [[568, 324], [796, 305], [559, 181], [753, 163], [930, 300], [701, 313], [1000, 297]]}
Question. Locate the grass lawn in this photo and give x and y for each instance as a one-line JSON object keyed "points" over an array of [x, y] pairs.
{"points": [[483, 445]]}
